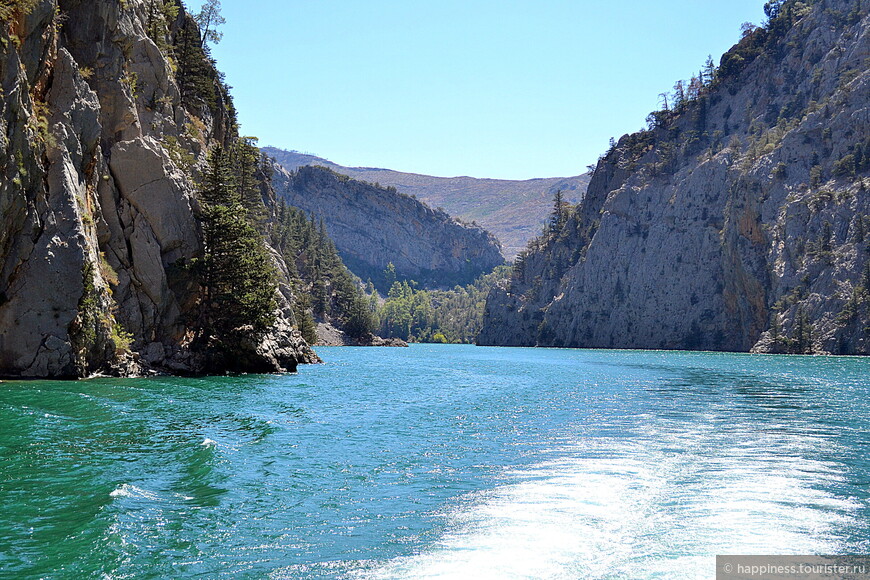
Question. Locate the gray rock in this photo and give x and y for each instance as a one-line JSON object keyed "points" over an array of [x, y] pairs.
{"points": [[702, 240], [154, 353], [97, 221], [423, 244], [146, 177]]}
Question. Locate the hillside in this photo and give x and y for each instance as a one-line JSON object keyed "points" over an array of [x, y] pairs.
{"points": [[117, 255], [513, 211], [737, 221], [373, 227]]}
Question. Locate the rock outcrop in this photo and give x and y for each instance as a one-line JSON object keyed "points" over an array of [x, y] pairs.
{"points": [[738, 221], [329, 335], [101, 131], [374, 226]]}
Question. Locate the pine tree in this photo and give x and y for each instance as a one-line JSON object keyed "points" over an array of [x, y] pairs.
{"points": [[679, 97], [804, 330], [709, 73], [332, 292], [238, 277], [219, 185], [772, 9], [208, 19], [304, 321], [195, 76], [390, 275], [246, 158], [359, 322], [559, 215], [519, 268]]}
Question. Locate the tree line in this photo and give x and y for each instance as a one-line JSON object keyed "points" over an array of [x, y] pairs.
{"points": [[446, 316], [323, 287]]}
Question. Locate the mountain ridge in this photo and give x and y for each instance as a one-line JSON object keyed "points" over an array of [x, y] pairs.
{"points": [[513, 210], [375, 226]]}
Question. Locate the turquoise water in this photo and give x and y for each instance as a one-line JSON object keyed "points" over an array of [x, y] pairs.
{"points": [[438, 462]]}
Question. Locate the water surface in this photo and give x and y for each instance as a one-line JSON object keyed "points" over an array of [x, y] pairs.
{"points": [[439, 462]]}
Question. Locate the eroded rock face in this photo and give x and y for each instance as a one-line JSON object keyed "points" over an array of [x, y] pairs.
{"points": [[98, 220], [49, 249], [735, 224], [374, 226]]}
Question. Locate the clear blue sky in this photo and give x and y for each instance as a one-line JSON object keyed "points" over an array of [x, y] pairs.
{"points": [[486, 88]]}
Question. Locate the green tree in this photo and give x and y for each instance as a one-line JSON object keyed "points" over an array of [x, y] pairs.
{"points": [[560, 212], [803, 331], [335, 295], [850, 310], [218, 185], [208, 19], [390, 275], [360, 321], [708, 74], [246, 160], [772, 9], [196, 77], [238, 278], [304, 320], [679, 97], [454, 316], [825, 238]]}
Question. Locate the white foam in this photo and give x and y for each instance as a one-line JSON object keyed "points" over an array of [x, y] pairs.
{"points": [[128, 490], [209, 442], [637, 510]]}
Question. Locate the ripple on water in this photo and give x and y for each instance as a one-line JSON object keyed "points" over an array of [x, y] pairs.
{"points": [[127, 490], [440, 462]]}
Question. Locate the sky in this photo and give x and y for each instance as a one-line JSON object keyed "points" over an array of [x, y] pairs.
{"points": [[510, 89]]}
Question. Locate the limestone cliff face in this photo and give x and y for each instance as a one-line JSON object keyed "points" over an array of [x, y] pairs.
{"points": [[98, 216], [737, 222], [374, 226]]}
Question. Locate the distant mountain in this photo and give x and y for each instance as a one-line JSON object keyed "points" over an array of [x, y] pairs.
{"points": [[375, 226], [513, 211]]}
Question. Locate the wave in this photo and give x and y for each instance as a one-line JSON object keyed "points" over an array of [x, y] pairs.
{"points": [[129, 490], [637, 510]]}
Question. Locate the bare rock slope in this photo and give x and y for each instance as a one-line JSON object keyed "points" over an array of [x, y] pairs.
{"points": [[373, 227], [738, 221]]}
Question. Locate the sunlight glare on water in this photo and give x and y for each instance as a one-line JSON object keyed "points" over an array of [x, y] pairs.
{"points": [[639, 510], [439, 462]]}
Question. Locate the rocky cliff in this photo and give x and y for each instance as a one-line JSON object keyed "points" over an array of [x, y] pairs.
{"points": [[514, 211], [106, 113], [374, 226], [737, 221]]}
